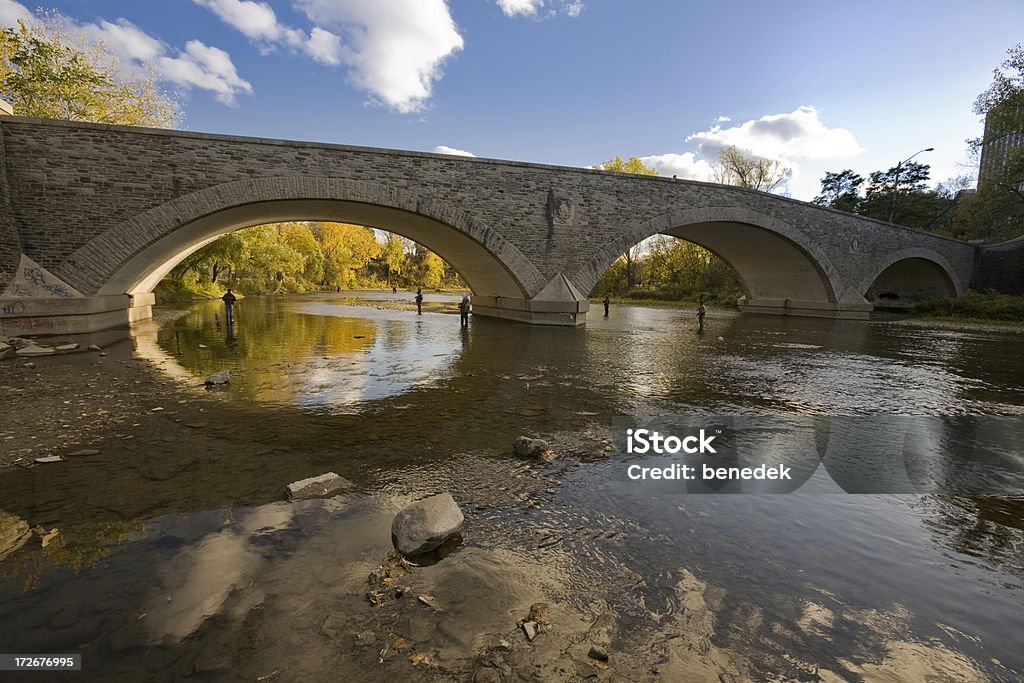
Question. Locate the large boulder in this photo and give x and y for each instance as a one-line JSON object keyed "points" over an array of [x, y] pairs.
{"points": [[525, 447], [217, 378], [327, 484], [426, 524]]}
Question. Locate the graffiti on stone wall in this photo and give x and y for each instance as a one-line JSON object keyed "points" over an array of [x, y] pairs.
{"points": [[32, 281]]}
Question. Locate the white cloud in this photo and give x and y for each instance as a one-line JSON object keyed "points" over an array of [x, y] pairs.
{"points": [[204, 67], [199, 65], [685, 166], [525, 7], [531, 8], [11, 12], [324, 47], [800, 134], [445, 149], [126, 39], [395, 49], [258, 22]]}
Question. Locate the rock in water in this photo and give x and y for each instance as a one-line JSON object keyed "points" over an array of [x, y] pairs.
{"points": [[66, 347], [94, 347], [325, 485], [222, 377], [35, 350], [525, 447], [426, 524]]}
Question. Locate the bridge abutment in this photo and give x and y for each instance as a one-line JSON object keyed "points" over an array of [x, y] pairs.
{"points": [[806, 309]]}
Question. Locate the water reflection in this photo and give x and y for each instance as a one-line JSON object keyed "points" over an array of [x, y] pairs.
{"points": [[408, 405]]}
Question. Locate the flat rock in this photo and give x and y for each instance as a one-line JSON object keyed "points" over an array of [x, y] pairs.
{"points": [[35, 350], [93, 347], [327, 484], [84, 452], [14, 533], [66, 347], [426, 524], [222, 377], [48, 459], [525, 447]]}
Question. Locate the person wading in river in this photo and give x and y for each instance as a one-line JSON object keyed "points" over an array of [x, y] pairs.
{"points": [[419, 301], [701, 312], [464, 310], [606, 302], [229, 300]]}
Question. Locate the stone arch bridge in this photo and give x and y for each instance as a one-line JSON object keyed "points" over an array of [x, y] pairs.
{"points": [[92, 216]]}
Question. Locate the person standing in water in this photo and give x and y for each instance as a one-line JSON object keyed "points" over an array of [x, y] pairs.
{"points": [[229, 300], [701, 312], [606, 302], [419, 301], [464, 310]]}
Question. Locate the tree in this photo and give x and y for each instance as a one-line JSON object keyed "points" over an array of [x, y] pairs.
{"points": [[47, 73], [997, 212], [841, 190], [749, 171], [632, 255]]}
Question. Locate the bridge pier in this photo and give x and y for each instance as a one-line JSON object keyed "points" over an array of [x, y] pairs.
{"points": [[80, 315], [532, 311], [807, 309]]}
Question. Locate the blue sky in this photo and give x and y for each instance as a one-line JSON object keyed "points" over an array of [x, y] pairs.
{"points": [[822, 85]]}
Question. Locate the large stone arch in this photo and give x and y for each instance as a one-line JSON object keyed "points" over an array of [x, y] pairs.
{"points": [[131, 257], [913, 274], [779, 266]]}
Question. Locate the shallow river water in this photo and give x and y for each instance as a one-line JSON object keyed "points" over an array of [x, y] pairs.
{"points": [[178, 557]]}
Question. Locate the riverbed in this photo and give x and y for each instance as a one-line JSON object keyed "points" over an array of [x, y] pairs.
{"points": [[176, 554]]}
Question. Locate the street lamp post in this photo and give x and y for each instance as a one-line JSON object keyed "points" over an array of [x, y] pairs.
{"points": [[896, 180]]}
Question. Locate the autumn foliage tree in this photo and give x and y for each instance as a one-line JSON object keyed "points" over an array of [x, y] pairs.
{"points": [[48, 72]]}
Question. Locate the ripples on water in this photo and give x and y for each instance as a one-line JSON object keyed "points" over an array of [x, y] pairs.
{"points": [[407, 405]]}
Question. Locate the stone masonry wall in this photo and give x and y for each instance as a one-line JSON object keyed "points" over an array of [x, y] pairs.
{"points": [[70, 182]]}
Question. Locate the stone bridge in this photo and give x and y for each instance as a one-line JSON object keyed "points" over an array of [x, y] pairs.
{"points": [[93, 216]]}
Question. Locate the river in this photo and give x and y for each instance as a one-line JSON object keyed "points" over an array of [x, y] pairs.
{"points": [[177, 556]]}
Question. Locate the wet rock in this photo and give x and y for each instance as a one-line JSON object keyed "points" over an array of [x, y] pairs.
{"points": [[487, 675], [93, 347], [47, 459], [525, 447], [66, 347], [35, 350], [584, 670], [218, 378], [14, 533], [426, 524], [327, 484], [531, 629], [598, 653], [84, 453], [45, 535]]}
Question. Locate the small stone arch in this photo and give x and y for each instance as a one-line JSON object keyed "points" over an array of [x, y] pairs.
{"points": [[131, 257], [774, 260], [910, 275]]}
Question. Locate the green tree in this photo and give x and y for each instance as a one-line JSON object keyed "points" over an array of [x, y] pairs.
{"points": [[841, 190], [47, 73], [997, 212], [749, 171]]}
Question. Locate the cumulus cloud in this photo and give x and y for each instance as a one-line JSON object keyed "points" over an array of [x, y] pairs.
{"points": [[205, 67], [11, 12], [685, 166], [445, 149], [198, 65], [394, 50], [258, 22], [799, 134]]}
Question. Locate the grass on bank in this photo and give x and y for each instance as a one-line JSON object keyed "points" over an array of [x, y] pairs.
{"points": [[990, 307]]}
